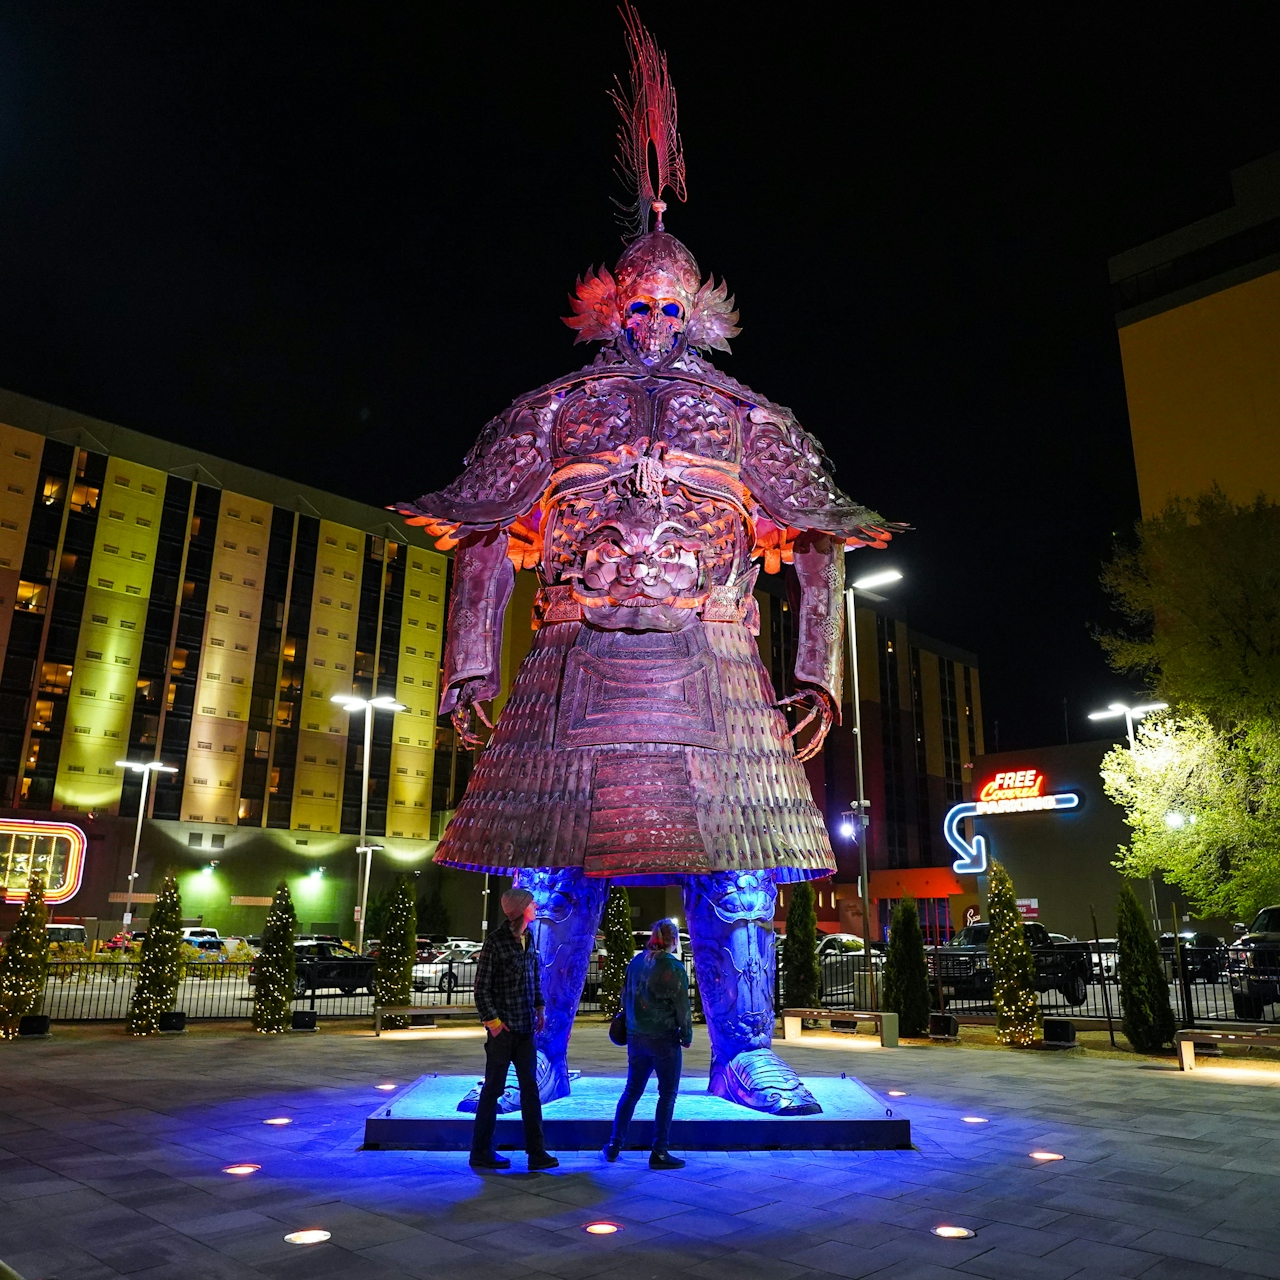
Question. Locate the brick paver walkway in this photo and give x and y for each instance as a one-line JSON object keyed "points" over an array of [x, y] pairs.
{"points": [[111, 1154]]}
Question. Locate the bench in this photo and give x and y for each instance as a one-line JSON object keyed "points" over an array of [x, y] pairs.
{"points": [[421, 1011], [1185, 1042], [886, 1023]]}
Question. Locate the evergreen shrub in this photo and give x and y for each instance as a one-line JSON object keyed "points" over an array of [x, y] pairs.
{"points": [[620, 946], [1013, 967], [25, 962], [275, 969], [397, 951], [906, 971], [160, 969], [1144, 994]]}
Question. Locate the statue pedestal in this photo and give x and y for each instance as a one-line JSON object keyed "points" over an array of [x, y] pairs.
{"points": [[424, 1116]]}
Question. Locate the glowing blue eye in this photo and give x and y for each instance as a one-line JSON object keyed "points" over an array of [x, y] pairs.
{"points": [[639, 308], [671, 309]]}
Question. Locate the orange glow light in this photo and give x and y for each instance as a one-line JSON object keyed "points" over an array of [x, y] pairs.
{"points": [[953, 1233], [24, 842], [601, 1228], [313, 1236], [278, 1120], [1045, 1155], [240, 1170]]}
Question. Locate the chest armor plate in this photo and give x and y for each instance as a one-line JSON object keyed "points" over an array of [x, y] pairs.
{"points": [[683, 416]]}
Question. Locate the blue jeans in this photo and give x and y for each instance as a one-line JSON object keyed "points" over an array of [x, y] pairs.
{"points": [[645, 1055]]}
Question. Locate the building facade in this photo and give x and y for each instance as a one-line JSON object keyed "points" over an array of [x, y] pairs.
{"points": [[1198, 313]]}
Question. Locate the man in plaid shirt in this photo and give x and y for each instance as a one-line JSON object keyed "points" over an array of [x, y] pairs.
{"points": [[509, 1000]]}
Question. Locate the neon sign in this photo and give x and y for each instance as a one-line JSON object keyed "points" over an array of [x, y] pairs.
{"points": [[52, 850], [1011, 791]]}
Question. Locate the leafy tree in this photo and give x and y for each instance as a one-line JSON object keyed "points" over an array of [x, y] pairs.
{"points": [[1203, 806], [397, 950], [1013, 967], [25, 962], [433, 915], [1202, 592], [1144, 994], [619, 946], [906, 971], [801, 974], [276, 967], [160, 968]]}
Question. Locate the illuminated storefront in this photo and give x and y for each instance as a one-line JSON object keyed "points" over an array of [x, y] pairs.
{"points": [[52, 850]]}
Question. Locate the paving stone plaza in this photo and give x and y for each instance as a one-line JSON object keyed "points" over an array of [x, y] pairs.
{"points": [[112, 1154]]}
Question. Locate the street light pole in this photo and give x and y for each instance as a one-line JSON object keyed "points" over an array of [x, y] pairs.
{"points": [[1130, 715], [146, 768], [365, 850], [861, 821]]}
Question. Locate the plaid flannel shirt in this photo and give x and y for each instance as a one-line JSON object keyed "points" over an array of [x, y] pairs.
{"points": [[508, 980]]}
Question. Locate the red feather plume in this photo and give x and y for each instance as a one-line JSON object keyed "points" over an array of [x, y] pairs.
{"points": [[649, 150]]}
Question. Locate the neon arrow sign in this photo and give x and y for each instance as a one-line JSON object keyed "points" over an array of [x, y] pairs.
{"points": [[1013, 791]]}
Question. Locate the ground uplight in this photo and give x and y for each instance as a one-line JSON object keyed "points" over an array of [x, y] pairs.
{"points": [[974, 1119], [313, 1236], [601, 1228], [1045, 1155], [386, 1088], [897, 1093], [240, 1170], [278, 1120], [953, 1233]]}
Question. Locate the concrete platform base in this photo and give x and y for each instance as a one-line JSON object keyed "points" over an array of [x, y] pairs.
{"points": [[424, 1117]]}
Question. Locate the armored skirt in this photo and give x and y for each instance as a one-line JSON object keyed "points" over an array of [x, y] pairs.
{"points": [[642, 757]]}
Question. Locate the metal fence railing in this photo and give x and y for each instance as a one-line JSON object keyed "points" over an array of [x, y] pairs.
{"points": [[1206, 984]]}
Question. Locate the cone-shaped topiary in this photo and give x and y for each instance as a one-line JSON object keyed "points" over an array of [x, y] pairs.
{"points": [[1013, 967], [906, 971], [620, 946], [1144, 994], [397, 951], [275, 969], [26, 961], [159, 970], [801, 975]]}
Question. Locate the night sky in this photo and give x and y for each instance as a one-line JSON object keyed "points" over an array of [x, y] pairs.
{"points": [[331, 242]]}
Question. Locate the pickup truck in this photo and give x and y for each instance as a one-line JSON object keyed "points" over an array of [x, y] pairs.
{"points": [[1255, 965], [965, 968]]}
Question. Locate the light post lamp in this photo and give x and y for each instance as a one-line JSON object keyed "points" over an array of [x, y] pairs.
{"points": [[860, 818], [365, 850], [1130, 715], [146, 768]]}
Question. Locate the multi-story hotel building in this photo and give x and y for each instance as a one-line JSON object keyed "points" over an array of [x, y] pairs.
{"points": [[1198, 312]]}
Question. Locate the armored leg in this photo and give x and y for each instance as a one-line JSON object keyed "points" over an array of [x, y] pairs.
{"points": [[569, 907], [730, 917]]}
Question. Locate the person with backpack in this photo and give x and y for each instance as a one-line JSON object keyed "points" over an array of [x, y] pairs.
{"points": [[655, 1001]]}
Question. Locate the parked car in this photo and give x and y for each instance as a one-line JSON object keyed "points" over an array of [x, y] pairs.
{"points": [[1104, 955], [1059, 938], [846, 967], [199, 931], [325, 965], [63, 933], [965, 968], [1204, 956], [124, 939], [842, 944], [1255, 964], [448, 971]]}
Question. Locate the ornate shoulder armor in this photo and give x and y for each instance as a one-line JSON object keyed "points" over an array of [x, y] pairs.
{"points": [[506, 472], [789, 475]]}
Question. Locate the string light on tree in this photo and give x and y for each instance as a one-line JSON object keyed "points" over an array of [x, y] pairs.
{"points": [[275, 970], [1013, 967], [160, 969]]}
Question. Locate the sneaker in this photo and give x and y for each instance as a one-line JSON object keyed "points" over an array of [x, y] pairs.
{"points": [[488, 1160], [664, 1160], [542, 1160], [610, 1152]]}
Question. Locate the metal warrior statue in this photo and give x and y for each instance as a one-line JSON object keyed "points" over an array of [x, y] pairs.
{"points": [[641, 742]]}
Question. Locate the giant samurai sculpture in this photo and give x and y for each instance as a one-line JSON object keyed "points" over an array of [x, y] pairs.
{"points": [[642, 742]]}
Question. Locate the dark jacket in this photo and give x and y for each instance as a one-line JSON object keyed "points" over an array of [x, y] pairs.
{"points": [[656, 996], [508, 979]]}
